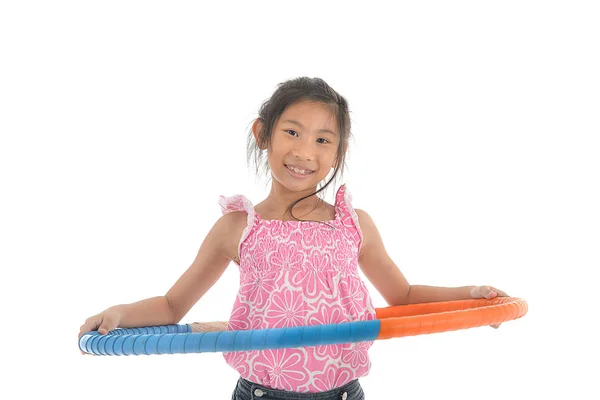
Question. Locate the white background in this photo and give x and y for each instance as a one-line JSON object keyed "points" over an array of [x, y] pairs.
{"points": [[475, 151]]}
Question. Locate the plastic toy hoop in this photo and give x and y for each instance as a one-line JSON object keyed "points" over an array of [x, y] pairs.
{"points": [[394, 321]]}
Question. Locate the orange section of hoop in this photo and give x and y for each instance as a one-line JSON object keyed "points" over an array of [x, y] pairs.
{"points": [[424, 318]]}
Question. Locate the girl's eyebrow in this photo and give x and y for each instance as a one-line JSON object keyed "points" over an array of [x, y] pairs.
{"points": [[302, 126]]}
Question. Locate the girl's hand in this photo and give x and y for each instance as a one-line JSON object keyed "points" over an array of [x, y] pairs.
{"points": [[215, 326], [104, 322], [487, 292]]}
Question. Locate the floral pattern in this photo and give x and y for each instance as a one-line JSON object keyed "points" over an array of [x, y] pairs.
{"points": [[295, 273], [286, 310], [284, 369]]}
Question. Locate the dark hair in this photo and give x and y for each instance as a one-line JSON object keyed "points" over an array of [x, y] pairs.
{"points": [[291, 92]]}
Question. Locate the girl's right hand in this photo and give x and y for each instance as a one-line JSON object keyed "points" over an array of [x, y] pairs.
{"points": [[104, 322]]}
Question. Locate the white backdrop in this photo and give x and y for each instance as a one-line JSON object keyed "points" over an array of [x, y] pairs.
{"points": [[475, 151]]}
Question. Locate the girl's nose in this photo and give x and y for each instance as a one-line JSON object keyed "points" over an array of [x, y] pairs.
{"points": [[302, 155], [303, 152]]}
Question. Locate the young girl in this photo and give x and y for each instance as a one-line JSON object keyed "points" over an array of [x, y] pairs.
{"points": [[293, 271]]}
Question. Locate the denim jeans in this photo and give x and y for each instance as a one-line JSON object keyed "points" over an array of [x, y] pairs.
{"points": [[246, 390]]}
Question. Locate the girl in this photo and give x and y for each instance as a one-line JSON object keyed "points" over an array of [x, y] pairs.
{"points": [[293, 271]]}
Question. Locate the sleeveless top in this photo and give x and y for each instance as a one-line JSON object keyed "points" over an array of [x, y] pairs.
{"points": [[297, 273]]}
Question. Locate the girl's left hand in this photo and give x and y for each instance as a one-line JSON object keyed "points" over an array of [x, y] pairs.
{"points": [[487, 292], [213, 326]]}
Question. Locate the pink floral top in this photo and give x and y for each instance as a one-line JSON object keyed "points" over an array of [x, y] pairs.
{"points": [[295, 273]]}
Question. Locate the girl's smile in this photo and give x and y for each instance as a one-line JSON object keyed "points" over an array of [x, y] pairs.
{"points": [[297, 172]]}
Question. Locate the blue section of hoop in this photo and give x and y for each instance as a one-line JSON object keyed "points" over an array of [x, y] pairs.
{"points": [[174, 339]]}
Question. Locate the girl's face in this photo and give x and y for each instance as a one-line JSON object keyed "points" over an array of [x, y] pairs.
{"points": [[305, 138]]}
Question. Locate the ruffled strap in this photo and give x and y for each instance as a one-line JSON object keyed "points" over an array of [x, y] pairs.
{"points": [[348, 216], [239, 202]]}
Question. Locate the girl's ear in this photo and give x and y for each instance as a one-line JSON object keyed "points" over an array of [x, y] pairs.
{"points": [[257, 127]]}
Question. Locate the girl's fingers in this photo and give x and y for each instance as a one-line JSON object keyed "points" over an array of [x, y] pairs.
{"points": [[85, 328], [89, 325], [214, 326], [108, 324], [487, 292], [483, 292], [500, 293]]}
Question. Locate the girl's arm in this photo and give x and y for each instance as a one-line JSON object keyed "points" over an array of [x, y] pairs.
{"points": [[385, 275], [426, 294], [210, 263]]}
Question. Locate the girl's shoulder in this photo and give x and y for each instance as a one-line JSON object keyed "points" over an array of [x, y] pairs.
{"points": [[369, 233], [235, 222]]}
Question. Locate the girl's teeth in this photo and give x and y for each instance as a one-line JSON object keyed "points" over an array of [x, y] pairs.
{"points": [[299, 171]]}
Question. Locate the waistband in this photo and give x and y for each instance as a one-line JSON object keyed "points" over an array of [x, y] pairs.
{"points": [[247, 390]]}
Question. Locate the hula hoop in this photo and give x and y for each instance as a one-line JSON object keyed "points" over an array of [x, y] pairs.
{"points": [[393, 321]]}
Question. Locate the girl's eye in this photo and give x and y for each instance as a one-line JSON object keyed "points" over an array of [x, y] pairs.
{"points": [[326, 141]]}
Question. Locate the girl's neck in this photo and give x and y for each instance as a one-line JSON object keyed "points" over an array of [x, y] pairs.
{"points": [[280, 198]]}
